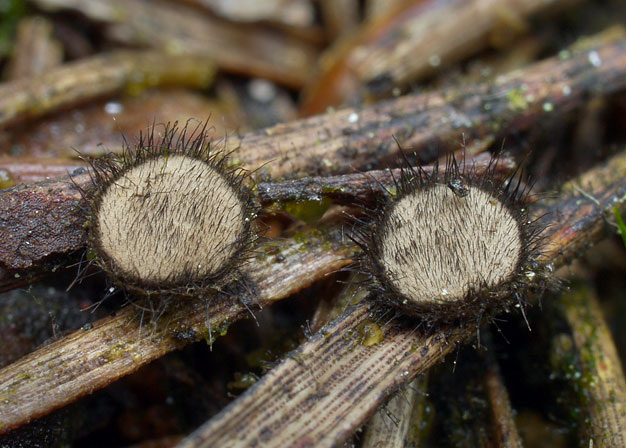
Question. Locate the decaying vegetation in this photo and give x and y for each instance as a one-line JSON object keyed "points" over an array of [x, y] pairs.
{"points": [[317, 100]]}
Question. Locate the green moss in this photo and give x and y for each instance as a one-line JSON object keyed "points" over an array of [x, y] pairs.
{"points": [[242, 381], [327, 190], [90, 255], [581, 369], [308, 211], [6, 179], [305, 238], [620, 223], [211, 336], [517, 99], [11, 11], [116, 352], [370, 334]]}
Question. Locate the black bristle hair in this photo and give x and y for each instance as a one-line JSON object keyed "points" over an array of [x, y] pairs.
{"points": [[511, 190], [190, 140]]}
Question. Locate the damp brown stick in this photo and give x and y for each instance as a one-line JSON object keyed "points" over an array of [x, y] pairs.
{"points": [[601, 366], [35, 246], [254, 51], [98, 76]]}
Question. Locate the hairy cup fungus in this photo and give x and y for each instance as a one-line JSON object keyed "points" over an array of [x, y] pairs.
{"points": [[168, 217], [450, 244]]}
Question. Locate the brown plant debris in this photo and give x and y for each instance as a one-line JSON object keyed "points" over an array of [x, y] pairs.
{"points": [[86, 360], [364, 187], [36, 50], [602, 374], [504, 428], [100, 75], [162, 25], [414, 40], [332, 383], [342, 141]]}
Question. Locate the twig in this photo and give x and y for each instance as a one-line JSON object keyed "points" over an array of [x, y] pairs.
{"points": [[163, 25], [30, 170], [35, 49], [505, 430], [99, 127], [350, 188], [414, 40], [101, 75], [602, 374], [87, 360], [434, 123]]}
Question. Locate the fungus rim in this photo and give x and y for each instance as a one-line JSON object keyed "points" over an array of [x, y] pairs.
{"points": [[509, 190], [188, 141]]}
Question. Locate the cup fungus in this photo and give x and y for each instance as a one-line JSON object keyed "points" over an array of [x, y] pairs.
{"points": [[451, 244], [168, 217]]}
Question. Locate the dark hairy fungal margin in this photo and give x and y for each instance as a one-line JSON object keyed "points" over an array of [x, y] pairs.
{"points": [[169, 217], [452, 244]]}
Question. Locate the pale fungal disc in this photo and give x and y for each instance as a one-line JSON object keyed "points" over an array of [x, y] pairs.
{"points": [[170, 219], [438, 247]]}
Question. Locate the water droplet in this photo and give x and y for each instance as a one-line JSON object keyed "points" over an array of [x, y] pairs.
{"points": [[434, 60], [594, 59], [113, 108], [262, 90]]}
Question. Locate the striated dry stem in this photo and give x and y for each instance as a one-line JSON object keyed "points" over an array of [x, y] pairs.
{"points": [[504, 427], [97, 76], [363, 187], [603, 377], [331, 384], [87, 360], [397, 424]]}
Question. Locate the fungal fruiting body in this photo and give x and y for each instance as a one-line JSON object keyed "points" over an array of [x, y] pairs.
{"points": [[450, 244], [168, 217]]}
